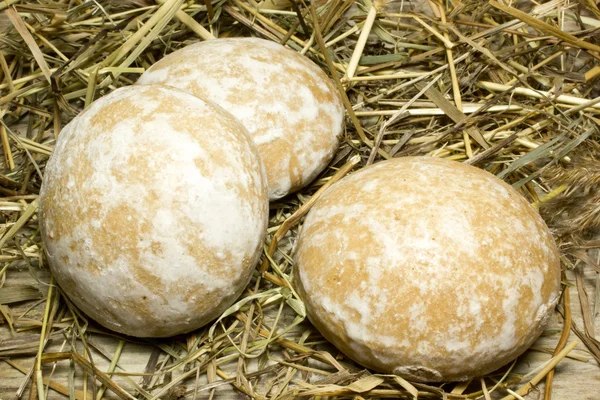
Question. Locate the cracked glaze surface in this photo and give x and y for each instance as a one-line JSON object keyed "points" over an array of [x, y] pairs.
{"points": [[154, 209], [290, 107], [427, 268]]}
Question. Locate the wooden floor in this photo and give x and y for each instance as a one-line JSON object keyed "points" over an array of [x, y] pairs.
{"points": [[577, 377]]}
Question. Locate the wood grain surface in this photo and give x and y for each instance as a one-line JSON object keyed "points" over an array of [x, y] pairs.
{"points": [[577, 376]]}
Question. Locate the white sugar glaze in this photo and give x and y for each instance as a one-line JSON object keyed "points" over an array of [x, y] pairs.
{"points": [[154, 209], [428, 268], [290, 107]]}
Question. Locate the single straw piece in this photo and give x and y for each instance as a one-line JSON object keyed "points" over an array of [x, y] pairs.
{"points": [[538, 94], [19, 25], [546, 28], [523, 390], [362, 41]]}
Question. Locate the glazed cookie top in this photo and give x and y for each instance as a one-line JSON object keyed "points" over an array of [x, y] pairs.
{"points": [[290, 107], [427, 268], [154, 209]]}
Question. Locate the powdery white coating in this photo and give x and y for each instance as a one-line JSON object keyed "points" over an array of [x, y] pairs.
{"points": [[427, 268], [154, 209], [290, 107]]}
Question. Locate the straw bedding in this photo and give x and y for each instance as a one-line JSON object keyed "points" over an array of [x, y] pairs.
{"points": [[511, 87]]}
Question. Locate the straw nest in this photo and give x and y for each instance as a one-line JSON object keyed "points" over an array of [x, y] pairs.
{"points": [[511, 87]]}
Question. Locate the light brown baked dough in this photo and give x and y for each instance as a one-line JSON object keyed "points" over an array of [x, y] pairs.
{"points": [[427, 268], [290, 107], [154, 210]]}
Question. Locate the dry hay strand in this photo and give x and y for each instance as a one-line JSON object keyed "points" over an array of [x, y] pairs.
{"points": [[511, 87]]}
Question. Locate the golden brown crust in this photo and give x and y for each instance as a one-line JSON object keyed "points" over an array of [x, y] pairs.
{"points": [[290, 107], [427, 268], [154, 210]]}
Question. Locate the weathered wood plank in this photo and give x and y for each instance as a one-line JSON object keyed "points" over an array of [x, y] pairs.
{"points": [[576, 378]]}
